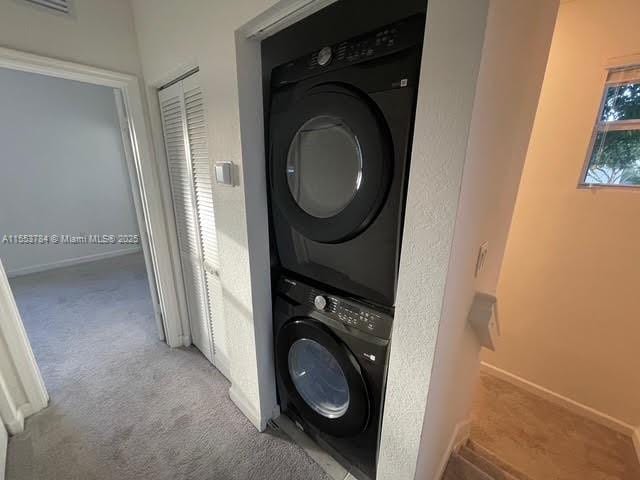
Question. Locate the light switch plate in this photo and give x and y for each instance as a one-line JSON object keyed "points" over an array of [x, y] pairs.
{"points": [[224, 173], [482, 257]]}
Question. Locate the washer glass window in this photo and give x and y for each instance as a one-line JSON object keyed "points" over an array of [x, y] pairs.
{"points": [[318, 378], [324, 166]]}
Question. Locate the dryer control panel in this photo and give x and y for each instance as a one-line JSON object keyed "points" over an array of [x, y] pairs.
{"points": [[349, 312], [386, 40]]}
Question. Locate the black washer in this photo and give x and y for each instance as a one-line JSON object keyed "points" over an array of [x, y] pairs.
{"points": [[331, 367], [339, 402]]}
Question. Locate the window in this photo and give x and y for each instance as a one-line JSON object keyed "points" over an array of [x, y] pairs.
{"points": [[614, 158]]}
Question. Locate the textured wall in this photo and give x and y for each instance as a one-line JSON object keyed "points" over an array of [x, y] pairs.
{"points": [[569, 284], [450, 62], [65, 170], [498, 140]]}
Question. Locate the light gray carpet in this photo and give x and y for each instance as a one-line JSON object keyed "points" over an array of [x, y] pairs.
{"points": [[124, 405]]}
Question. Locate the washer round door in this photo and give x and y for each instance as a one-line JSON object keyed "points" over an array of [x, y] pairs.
{"points": [[322, 378], [331, 162]]}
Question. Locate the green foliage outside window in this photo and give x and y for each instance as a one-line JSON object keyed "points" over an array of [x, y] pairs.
{"points": [[615, 158]]}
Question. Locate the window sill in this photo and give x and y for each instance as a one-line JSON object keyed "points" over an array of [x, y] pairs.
{"points": [[604, 186]]}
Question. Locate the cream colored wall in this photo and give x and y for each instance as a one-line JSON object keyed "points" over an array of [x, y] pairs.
{"points": [[568, 289]]}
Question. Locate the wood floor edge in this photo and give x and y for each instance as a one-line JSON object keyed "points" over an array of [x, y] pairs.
{"points": [[571, 405]]}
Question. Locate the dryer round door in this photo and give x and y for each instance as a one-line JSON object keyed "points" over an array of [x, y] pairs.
{"points": [[331, 163], [322, 378]]}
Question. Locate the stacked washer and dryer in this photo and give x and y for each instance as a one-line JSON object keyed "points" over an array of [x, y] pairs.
{"points": [[340, 129]]}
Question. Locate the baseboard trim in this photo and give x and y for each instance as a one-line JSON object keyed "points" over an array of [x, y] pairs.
{"points": [[571, 405], [221, 362], [458, 438], [4, 440], [68, 262], [636, 442], [247, 409], [15, 425]]}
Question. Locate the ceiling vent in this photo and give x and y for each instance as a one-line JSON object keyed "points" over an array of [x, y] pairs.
{"points": [[56, 6]]}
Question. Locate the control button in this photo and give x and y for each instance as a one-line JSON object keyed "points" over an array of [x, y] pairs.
{"points": [[320, 302], [324, 56]]}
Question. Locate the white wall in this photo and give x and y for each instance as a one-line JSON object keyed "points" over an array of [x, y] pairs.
{"points": [[503, 112], [3, 451], [174, 36], [64, 170], [569, 286], [99, 34]]}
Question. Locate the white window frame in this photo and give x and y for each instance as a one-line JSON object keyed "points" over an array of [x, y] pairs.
{"points": [[618, 125]]}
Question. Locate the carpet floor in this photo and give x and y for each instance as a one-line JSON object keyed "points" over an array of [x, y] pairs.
{"points": [[123, 404]]}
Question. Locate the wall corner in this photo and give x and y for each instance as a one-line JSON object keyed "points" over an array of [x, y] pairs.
{"points": [[4, 440], [636, 442]]}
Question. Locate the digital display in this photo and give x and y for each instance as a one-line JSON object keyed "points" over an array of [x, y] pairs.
{"points": [[351, 308]]}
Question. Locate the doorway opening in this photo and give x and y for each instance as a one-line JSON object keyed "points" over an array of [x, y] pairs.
{"points": [[55, 187], [72, 242]]}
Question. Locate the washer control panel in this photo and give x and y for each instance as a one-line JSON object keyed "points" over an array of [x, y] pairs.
{"points": [[350, 313], [355, 315]]}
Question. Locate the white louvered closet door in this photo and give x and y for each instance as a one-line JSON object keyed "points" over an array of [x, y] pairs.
{"points": [[185, 132]]}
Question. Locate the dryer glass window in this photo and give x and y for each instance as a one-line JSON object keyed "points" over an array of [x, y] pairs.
{"points": [[318, 378], [324, 166]]}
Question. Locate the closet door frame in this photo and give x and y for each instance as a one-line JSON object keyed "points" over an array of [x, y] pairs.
{"points": [[177, 89], [208, 235]]}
